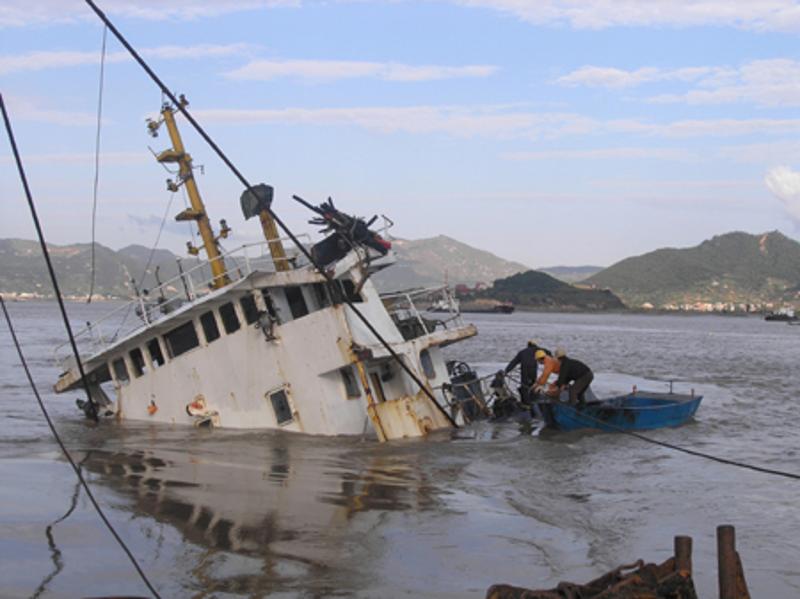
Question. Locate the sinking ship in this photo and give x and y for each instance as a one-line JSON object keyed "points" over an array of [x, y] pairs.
{"points": [[261, 338]]}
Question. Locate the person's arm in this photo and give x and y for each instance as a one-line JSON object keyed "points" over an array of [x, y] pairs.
{"points": [[562, 376], [546, 372], [513, 363]]}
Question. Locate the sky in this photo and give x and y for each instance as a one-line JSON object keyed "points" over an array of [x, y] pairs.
{"points": [[550, 132]]}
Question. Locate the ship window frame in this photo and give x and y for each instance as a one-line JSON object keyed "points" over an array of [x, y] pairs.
{"points": [[344, 288], [351, 386], [156, 360], [426, 361], [249, 308], [121, 376], [138, 364], [230, 321], [298, 305], [181, 344], [269, 302], [321, 295], [208, 322], [281, 406]]}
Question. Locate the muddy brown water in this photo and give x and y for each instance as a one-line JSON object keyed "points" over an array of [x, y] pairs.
{"points": [[261, 514]]}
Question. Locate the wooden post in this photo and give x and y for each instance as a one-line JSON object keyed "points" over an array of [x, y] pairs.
{"points": [[683, 554], [726, 560]]}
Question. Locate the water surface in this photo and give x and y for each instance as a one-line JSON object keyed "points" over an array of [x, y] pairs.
{"points": [[257, 514]]}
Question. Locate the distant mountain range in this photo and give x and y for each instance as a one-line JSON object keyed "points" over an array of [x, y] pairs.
{"points": [[431, 262], [735, 267], [24, 270], [420, 263]]}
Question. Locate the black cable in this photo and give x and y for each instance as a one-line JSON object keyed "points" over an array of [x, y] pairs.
{"points": [[97, 156], [328, 277], [67, 455], [693, 452], [46, 254]]}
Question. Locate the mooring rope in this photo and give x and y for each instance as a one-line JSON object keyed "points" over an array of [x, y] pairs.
{"points": [[674, 447], [96, 182]]}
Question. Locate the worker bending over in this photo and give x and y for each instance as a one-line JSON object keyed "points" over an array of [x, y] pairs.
{"points": [[550, 365], [526, 359], [573, 375]]}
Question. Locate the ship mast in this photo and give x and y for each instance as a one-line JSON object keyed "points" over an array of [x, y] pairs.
{"points": [[197, 212]]}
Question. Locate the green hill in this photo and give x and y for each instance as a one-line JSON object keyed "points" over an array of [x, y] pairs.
{"points": [[428, 262], [735, 267], [24, 269], [538, 290]]}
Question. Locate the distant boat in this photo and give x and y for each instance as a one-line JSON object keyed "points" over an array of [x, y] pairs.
{"points": [[783, 315], [637, 411], [497, 308]]}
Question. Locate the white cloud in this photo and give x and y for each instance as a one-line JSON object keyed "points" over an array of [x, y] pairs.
{"points": [[326, 70], [27, 109], [593, 76], [86, 158], [453, 120], [605, 153], [761, 15], [784, 183], [56, 59], [19, 13], [501, 122], [770, 82]]}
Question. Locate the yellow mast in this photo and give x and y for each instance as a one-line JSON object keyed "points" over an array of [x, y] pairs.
{"points": [[197, 212]]}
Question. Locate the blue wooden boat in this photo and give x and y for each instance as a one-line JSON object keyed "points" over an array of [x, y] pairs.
{"points": [[637, 411]]}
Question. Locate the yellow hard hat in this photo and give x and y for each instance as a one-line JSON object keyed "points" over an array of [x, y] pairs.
{"points": [[540, 354]]}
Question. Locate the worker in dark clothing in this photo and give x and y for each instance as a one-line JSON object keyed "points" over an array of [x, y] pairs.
{"points": [[575, 376], [526, 359]]}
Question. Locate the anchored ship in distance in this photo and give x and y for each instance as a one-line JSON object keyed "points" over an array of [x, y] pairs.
{"points": [[259, 338]]}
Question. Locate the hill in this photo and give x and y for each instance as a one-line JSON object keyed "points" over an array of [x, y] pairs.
{"points": [[24, 269], [428, 262], [735, 267], [420, 263], [539, 290], [571, 274]]}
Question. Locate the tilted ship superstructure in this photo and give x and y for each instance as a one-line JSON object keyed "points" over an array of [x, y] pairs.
{"points": [[259, 338]]}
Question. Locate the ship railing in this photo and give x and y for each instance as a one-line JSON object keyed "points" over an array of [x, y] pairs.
{"points": [[187, 287], [420, 312]]}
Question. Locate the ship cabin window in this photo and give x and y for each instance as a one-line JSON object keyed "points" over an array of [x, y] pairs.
{"points": [[427, 364], [156, 355], [342, 289], [280, 404], [297, 303], [249, 308], [350, 383], [181, 339], [270, 303], [137, 361], [210, 328], [120, 371], [229, 319], [321, 295]]}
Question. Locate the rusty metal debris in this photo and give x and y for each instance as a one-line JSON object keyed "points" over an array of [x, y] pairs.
{"points": [[671, 579]]}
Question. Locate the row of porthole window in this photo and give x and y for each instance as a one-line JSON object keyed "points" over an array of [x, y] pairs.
{"points": [[184, 337]]}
